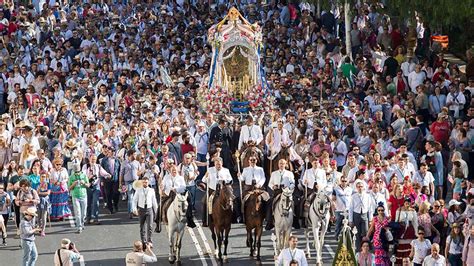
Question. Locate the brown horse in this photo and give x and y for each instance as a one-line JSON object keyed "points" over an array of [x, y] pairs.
{"points": [[250, 150], [283, 154], [221, 220], [254, 215]]}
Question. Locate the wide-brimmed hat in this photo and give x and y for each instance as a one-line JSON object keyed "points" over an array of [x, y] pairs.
{"points": [[453, 202], [30, 211], [70, 144]]}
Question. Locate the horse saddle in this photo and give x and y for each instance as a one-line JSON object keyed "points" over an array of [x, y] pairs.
{"points": [[262, 194], [275, 200], [210, 203], [164, 208]]}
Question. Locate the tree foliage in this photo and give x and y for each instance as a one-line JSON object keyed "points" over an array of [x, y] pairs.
{"points": [[435, 13]]}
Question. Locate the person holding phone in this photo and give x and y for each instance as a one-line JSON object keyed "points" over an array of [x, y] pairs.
{"points": [[138, 256], [67, 254]]}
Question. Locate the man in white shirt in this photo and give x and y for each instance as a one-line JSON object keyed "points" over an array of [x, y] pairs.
{"points": [[455, 102], [174, 183], [341, 196], [277, 138], [339, 149], [145, 206], [252, 175], [314, 180], [361, 211], [138, 257], [435, 259], [214, 176], [416, 78], [279, 180], [292, 255], [424, 178], [250, 133]]}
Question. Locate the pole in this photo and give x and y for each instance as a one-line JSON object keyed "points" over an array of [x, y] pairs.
{"points": [[237, 158], [158, 222], [305, 175], [207, 188]]}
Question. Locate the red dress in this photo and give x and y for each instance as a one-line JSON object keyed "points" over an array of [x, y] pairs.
{"points": [[395, 204], [381, 257]]}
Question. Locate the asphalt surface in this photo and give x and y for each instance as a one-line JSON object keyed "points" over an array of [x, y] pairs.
{"points": [[108, 243]]}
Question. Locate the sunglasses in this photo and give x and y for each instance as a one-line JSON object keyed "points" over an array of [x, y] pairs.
{"points": [[436, 206]]}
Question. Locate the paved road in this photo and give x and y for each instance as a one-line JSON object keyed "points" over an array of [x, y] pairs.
{"points": [[107, 244]]}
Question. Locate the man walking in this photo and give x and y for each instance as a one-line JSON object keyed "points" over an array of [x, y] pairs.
{"points": [[27, 236], [78, 184], [145, 206], [342, 199], [128, 174], [111, 184], [361, 211]]}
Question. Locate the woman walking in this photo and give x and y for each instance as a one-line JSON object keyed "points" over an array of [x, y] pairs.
{"points": [[59, 191], [420, 248], [408, 219], [379, 222], [44, 190], [454, 246]]}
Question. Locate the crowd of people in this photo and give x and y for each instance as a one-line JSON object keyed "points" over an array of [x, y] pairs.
{"points": [[86, 111]]}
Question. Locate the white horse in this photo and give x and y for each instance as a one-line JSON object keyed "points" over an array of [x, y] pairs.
{"points": [[283, 215], [318, 219], [176, 214]]}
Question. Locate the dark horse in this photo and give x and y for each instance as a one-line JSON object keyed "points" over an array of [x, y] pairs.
{"points": [[221, 220], [254, 215], [250, 150]]}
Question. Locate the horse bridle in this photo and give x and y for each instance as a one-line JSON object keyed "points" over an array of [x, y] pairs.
{"points": [[181, 212], [321, 213], [225, 206]]}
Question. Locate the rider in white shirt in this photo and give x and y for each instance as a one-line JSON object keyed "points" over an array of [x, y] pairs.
{"points": [[276, 138], [174, 183], [214, 176], [250, 133], [279, 180], [252, 175]]}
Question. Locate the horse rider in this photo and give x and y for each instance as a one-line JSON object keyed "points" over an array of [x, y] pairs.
{"points": [[253, 177], [250, 133], [277, 138], [214, 177], [279, 180], [341, 197], [144, 206], [174, 183], [314, 180]]}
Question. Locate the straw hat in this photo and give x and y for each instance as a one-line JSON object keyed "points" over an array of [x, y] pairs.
{"points": [[137, 184], [30, 211], [71, 144]]}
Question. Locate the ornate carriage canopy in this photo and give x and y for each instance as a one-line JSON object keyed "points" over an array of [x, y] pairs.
{"points": [[236, 75]]}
